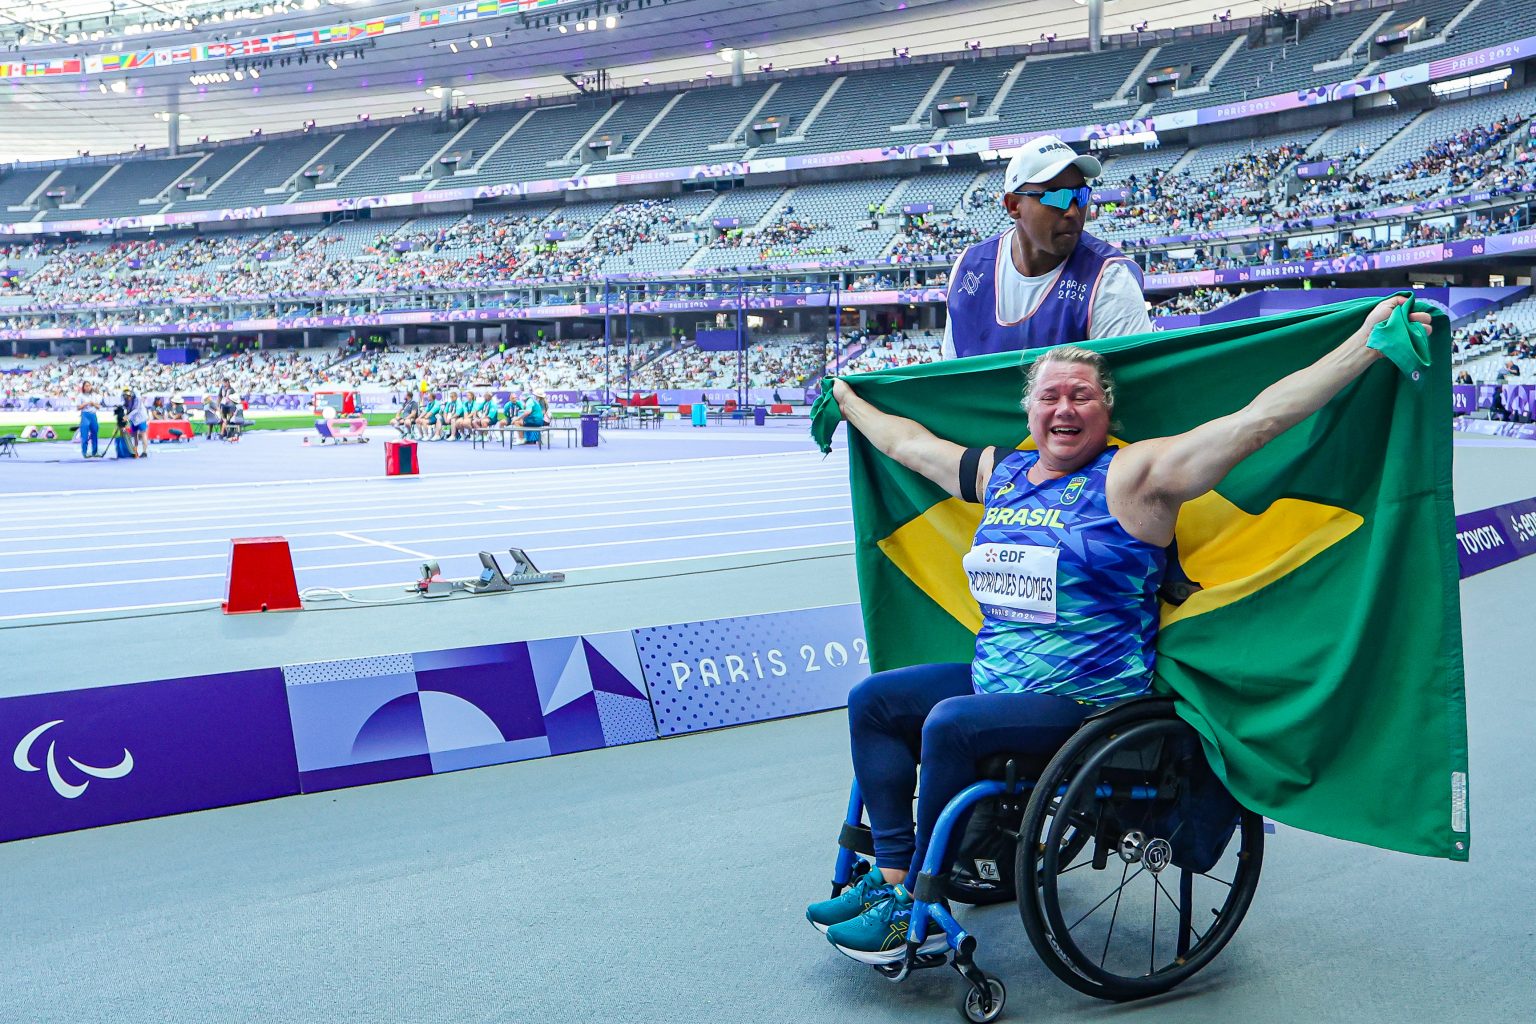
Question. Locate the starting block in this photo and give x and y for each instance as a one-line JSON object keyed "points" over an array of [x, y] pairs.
{"points": [[260, 577]]}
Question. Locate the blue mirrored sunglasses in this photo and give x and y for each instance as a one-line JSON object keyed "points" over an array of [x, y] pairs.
{"points": [[1060, 198]]}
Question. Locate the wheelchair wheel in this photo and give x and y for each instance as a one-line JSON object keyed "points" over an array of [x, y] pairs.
{"points": [[1112, 912], [984, 1010]]}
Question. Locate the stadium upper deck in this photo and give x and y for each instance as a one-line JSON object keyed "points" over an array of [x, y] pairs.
{"points": [[1405, 175], [820, 112]]}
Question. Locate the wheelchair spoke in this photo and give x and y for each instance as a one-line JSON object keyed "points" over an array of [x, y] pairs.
{"points": [[1175, 904], [1105, 955], [1152, 958], [1213, 878], [1123, 883]]}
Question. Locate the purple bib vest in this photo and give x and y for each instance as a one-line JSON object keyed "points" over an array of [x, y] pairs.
{"points": [[1060, 318]]}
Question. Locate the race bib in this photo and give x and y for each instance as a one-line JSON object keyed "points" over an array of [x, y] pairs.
{"points": [[1013, 582]]}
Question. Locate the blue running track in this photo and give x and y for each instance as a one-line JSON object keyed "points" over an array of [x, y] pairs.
{"points": [[113, 536]]}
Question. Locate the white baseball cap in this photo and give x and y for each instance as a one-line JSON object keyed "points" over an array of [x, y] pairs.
{"points": [[1042, 159]]}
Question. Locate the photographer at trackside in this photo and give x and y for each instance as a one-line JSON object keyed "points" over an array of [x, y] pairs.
{"points": [[135, 417]]}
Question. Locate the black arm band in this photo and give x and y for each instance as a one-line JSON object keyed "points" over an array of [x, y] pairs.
{"points": [[970, 461]]}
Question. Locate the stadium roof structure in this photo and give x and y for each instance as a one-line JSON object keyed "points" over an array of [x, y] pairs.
{"points": [[74, 76]]}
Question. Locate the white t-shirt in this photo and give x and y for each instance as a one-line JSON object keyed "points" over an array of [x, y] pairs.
{"points": [[1119, 308]]}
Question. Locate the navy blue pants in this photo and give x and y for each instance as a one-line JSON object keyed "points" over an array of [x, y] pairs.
{"points": [[929, 714]]}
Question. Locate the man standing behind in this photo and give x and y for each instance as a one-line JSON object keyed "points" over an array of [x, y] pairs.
{"points": [[1044, 280]]}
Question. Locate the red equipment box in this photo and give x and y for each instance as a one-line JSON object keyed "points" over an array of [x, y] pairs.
{"points": [[400, 458]]}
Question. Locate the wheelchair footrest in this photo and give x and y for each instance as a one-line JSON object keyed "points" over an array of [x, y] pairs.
{"points": [[857, 838], [916, 962]]}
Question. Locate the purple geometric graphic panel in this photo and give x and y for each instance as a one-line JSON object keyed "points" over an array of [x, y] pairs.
{"points": [[704, 675], [575, 726], [590, 688], [497, 680], [624, 719], [379, 719], [81, 758]]}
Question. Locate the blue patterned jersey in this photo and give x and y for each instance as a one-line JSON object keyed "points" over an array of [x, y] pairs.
{"points": [[1069, 598]]}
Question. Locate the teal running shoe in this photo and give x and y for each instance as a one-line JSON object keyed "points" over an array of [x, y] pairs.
{"points": [[865, 892], [879, 935]]}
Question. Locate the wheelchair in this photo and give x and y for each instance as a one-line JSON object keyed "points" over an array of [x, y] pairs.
{"points": [[1132, 864]]}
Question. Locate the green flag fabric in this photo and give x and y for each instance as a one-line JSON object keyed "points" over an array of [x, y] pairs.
{"points": [[1321, 659]]}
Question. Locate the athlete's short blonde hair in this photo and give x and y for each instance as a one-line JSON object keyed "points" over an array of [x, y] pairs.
{"points": [[1071, 354]]}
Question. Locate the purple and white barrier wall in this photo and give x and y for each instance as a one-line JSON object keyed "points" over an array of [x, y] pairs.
{"points": [[111, 754]]}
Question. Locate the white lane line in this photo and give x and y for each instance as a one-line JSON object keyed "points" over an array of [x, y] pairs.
{"points": [[344, 498], [461, 554], [346, 501], [114, 583], [68, 614], [579, 467], [522, 538], [437, 504], [214, 602], [377, 543], [436, 520], [278, 522], [160, 559]]}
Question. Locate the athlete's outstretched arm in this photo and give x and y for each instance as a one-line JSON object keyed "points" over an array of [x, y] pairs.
{"points": [[909, 442], [1161, 474]]}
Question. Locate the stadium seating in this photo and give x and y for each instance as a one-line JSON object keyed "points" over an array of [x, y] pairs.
{"points": [[706, 115], [384, 262], [18, 186], [124, 194], [862, 110]]}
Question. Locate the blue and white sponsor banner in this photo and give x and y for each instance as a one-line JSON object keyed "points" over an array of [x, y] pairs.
{"points": [[81, 758], [705, 675]]}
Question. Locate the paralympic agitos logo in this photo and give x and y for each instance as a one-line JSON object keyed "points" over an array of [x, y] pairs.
{"points": [[22, 758]]}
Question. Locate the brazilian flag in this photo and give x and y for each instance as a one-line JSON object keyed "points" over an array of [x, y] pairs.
{"points": [[1321, 659]]}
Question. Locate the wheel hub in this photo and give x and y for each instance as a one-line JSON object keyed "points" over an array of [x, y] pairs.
{"points": [[1153, 854], [1157, 855]]}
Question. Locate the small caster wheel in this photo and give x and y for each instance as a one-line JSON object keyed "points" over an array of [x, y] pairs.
{"points": [[971, 1006]]}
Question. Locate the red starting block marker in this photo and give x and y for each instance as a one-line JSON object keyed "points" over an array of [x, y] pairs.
{"points": [[260, 576]]}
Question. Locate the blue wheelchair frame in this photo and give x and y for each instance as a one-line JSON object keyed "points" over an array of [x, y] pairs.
{"points": [[927, 889]]}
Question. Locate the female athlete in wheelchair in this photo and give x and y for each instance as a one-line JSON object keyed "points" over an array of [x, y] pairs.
{"points": [[1126, 875]]}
